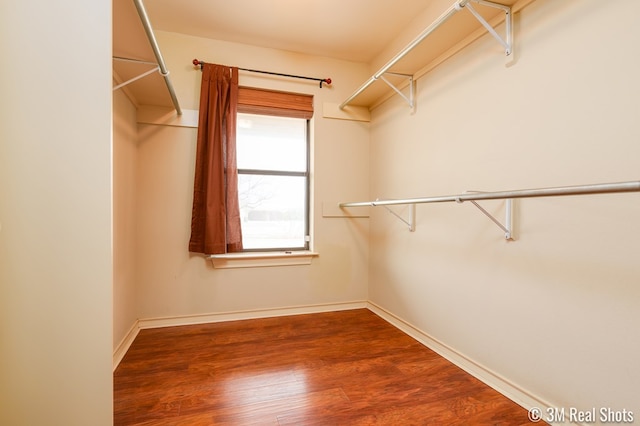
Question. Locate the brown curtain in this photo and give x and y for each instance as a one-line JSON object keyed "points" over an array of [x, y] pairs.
{"points": [[215, 219]]}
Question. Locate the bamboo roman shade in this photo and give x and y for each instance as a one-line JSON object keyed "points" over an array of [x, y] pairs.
{"points": [[272, 102]]}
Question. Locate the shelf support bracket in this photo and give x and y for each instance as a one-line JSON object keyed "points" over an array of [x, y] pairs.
{"points": [[410, 100], [508, 227], [506, 42], [411, 223], [151, 71]]}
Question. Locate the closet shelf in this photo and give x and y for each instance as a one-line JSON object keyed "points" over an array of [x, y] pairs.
{"points": [[139, 69], [451, 32]]}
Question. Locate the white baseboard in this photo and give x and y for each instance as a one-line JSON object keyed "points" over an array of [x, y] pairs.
{"points": [[125, 344], [249, 314], [482, 373]]}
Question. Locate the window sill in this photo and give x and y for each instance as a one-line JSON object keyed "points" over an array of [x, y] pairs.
{"points": [[262, 259]]}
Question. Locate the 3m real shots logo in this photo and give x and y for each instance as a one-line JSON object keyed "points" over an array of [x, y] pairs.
{"points": [[573, 415]]}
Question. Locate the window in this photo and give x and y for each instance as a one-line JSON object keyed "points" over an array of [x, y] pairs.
{"points": [[273, 177]]}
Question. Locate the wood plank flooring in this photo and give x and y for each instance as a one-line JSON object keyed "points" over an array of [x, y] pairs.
{"points": [[336, 368]]}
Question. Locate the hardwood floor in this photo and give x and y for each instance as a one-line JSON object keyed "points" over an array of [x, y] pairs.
{"points": [[337, 368]]}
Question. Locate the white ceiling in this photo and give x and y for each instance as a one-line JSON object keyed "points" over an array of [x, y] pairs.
{"points": [[345, 29]]}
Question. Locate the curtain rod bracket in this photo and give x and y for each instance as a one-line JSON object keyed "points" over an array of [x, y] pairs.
{"points": [[197, 63]]}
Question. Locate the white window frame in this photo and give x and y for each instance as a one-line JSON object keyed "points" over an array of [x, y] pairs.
{"points": [[306, 174]]}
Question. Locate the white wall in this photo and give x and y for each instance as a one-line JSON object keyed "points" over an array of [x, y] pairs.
{"points": [[173, 282], [556, 311], [125, 153], [55, 213]]}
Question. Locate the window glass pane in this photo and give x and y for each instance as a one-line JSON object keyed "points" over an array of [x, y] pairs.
{"points": [[271, 143], [273, 211]]}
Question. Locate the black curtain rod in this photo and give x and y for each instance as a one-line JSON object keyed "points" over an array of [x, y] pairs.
{"points": [[321, 80]]}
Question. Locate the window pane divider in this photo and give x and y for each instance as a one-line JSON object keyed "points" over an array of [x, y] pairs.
{"points": [[272, 172]]}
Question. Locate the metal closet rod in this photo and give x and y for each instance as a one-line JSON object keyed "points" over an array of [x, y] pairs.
{"points": [[146, 23], [199, 63], [599, 188], [424, 34], [455, 7]]}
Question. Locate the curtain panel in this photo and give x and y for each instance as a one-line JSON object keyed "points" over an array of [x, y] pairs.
{"points": [[215, 219]]}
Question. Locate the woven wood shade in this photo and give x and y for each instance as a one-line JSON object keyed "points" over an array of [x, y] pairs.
{"points": [[272, 102]]}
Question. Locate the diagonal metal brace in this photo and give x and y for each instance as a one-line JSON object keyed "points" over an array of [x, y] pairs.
{"points": [[412, 216], [151, 71], [408, 99], [506, 42], [508, 228]]}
